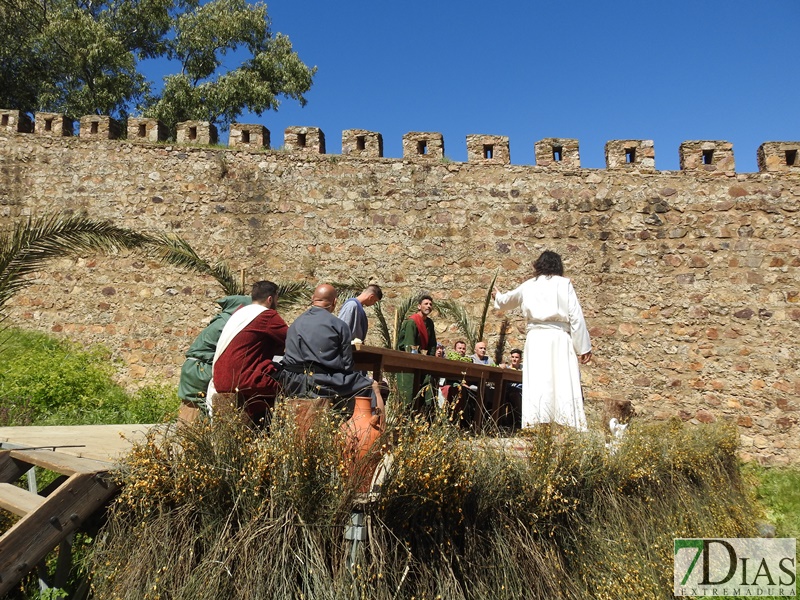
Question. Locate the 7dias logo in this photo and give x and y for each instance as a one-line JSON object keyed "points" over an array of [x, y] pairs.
{"points": [[735, 567]]}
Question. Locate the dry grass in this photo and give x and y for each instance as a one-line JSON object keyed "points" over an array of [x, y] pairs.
{"points": [[225, 512]]}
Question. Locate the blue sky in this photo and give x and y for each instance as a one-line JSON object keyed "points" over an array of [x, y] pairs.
{"points": [[668, 71]]}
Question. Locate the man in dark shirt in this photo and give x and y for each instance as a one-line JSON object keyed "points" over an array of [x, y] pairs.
{"points": [[318, 362]]}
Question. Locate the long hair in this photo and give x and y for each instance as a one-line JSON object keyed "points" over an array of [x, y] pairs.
{"points": [[549, 263]]}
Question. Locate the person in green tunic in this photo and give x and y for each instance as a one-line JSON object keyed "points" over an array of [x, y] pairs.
{"points": [[196, 369], [417, 334]]}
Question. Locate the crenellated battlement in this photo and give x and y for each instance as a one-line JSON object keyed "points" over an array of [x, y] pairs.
{"points": [[707, 156]]}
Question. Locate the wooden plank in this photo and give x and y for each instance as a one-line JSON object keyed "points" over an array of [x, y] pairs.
{"points": [[19, 501], [59, 462], [11, 469], [37, 533]]}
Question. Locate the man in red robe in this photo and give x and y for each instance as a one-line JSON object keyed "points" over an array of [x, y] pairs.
{"points": [[243, 362]]}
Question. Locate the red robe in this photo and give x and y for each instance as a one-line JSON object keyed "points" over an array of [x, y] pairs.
{"points": [[246, 364]]}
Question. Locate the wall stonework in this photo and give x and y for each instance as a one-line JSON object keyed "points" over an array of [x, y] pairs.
{"points": [[560, 153], [52, 124], [196, 132], [423, 145], [98, 126], [146, 130], [706, 155], [248, 136], [688, 279]]}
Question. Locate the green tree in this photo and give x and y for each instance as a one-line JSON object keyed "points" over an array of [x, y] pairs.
{"points": [[84, 57]]}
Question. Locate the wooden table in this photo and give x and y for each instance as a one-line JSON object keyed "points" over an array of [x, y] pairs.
{"points": [[384, 360]]}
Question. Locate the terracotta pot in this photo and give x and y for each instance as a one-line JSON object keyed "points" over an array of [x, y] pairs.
{"points": [[362, 430], [306, 412]]}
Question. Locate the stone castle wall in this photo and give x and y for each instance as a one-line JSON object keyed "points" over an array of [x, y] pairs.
{"points": [[688, 279]]}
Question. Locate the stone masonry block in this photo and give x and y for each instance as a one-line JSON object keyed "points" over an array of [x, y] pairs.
{"points": [[561, 153], [52, 124], [420, 144], [708, 156], [360, 142], [304, 139], [248, 136], [630, 154], [779, 156], [99, 127], [149, 130], [15, 120], [196, 132], [488, 148]]}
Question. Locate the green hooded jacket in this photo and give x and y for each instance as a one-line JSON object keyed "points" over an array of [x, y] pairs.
{"points": [[196, 370]]}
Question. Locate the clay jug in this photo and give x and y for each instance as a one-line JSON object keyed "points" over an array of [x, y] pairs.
{"points": [[306, 412], [361, 431]]}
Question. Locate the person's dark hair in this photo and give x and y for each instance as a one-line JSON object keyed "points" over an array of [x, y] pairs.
{"points": [[516, 351], [548, 263], [263, 290], [460, 342], [374, 288], [424, 297]]}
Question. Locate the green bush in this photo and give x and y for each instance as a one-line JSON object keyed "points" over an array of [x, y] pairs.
{"points": [[46, 381]]}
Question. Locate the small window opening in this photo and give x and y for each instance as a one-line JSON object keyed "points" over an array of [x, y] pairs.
{"points": [[48, 124], [791, 158], [301, 140], [95, 128], [246, 136], [708, 157], [361, 142], [5, 121], [422, 147], [192, 133], [142, 130], [488, 151], [630, 155], [558, 153]]}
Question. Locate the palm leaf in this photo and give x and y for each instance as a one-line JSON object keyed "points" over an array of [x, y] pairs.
{"points": [[383, 325], [29, 244], [457, 313], [294, 294], [402, 311], [174, 250], [486, 303]]}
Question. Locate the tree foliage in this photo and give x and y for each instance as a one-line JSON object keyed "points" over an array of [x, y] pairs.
{"points": [[85, 57]]}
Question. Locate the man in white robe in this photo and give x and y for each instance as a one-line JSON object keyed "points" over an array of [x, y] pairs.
{"points": [[557, 336]]}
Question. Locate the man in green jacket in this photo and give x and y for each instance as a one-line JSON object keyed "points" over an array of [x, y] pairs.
{"points": [[417, 334], [196, 370]]}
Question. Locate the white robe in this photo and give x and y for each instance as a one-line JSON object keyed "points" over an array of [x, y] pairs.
{"points": [[557, 335]]}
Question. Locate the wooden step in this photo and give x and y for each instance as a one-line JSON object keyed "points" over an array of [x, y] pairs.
{"points": [[19, 501], [38, 532], [13, 463]]}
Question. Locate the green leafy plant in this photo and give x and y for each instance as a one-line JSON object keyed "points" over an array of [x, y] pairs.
{"points": [[45, 381]]}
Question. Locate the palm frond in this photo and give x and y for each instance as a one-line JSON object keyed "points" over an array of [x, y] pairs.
{"points": [[457, 313], [404, 308], [174, 250], [505, 325], [30, 243], [383, 325], [486, 303], [293, 294]]}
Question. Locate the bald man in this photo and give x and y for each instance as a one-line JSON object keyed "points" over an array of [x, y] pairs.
{"points": [[318, 361]]}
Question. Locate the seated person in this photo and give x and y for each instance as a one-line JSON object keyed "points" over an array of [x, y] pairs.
{"points": [[318, 361], [196, 370], [480, 357], [511, 409], [243, 361]]}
